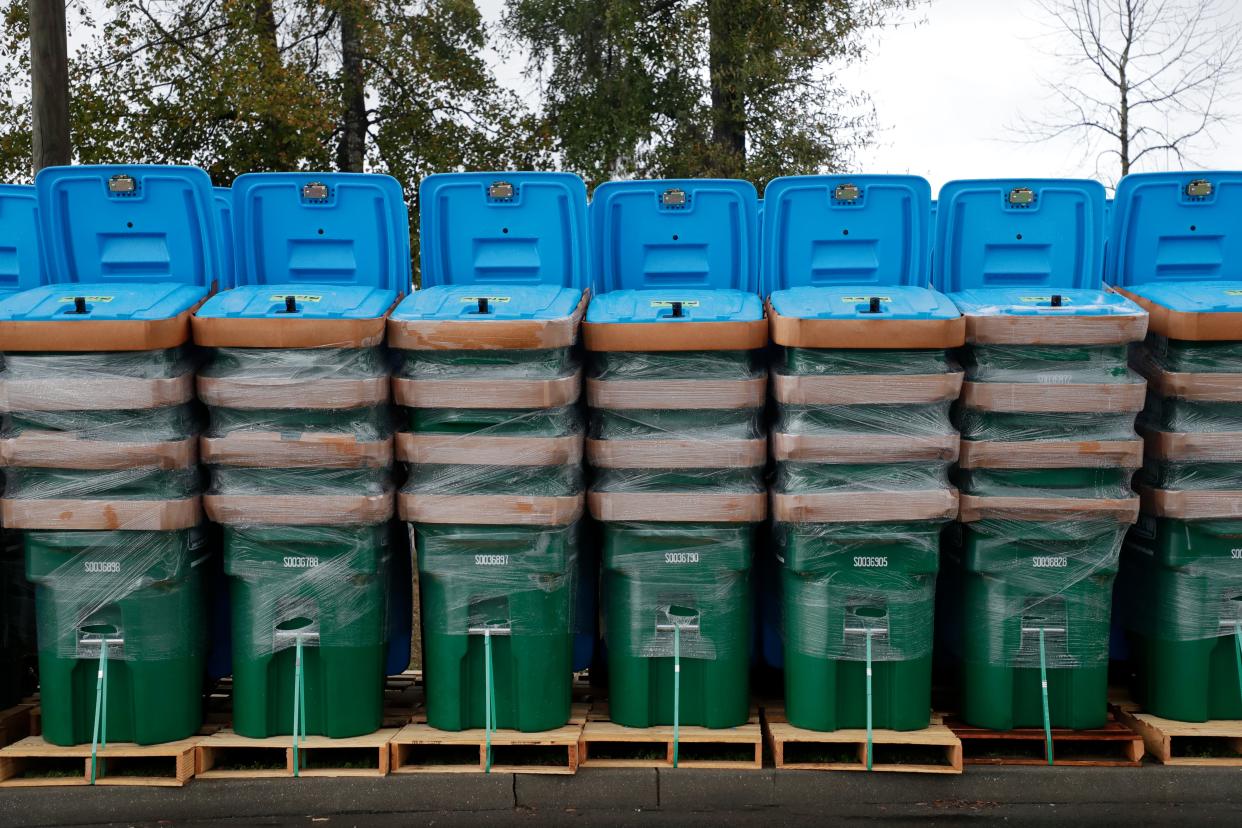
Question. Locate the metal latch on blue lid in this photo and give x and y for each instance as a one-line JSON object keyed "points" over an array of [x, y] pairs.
{"points": [[315, 191], [847, 192], [673, 198], [500, 191], [122, 184], [1021, 196], [1199, 188]]}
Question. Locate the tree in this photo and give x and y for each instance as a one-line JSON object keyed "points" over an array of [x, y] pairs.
{"points": [[1147, 79], [49, 81], [699, 87]]}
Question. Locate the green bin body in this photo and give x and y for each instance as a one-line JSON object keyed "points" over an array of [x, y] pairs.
{"points": [[518, 582], [656, 575], [286, 581], [1008, 580], [838, 581], [144, 588]]}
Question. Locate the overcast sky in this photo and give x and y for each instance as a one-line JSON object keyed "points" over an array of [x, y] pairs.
{"points": [[950, 91]]}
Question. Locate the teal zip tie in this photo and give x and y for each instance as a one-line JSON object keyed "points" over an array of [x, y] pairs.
{"points": [[1237, 649], [1043, 684], [869, 731], [489, 699], [299, 705], [100, 727], [676, 692]]}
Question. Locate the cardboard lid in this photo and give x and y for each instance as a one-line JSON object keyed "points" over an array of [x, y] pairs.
{"points": [[1019, 233], [1177, 240], [503, 228], [222, 199], [842, 230], [143, 225], [21, 258], [679, 234], [316, 246]]}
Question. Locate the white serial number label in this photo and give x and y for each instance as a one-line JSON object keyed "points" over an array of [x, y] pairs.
{"points": [[1236, 554], [1050, 562], [491, 560], [681, 557], [300, 562], [870, 560], [102, 566]]}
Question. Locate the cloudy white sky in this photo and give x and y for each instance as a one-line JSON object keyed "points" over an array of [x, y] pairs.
{"points": [[950, 91]]}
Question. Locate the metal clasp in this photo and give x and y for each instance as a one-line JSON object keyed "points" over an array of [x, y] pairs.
{"points": [[673, 198], [847, 192], [315, 191], [1021, 196], [1199, 188], [122, 184], [500, 190]]}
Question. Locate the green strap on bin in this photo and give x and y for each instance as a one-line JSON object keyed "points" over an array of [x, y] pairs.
{"points": [[869, 708], [676, 692], [299, 705], [1043, 686], [99, 733], [1237, 649], [489, 699]]}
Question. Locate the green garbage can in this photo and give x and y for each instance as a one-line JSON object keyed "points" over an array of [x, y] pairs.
{"points": [[138, 597], [858, 598], [677, 595], [1035, 600], [497, 606], [321, 587]]}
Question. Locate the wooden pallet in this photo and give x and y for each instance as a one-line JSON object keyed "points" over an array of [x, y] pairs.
{"points": [[15, 723], [225, 755], [1113, 745], [932, 750], [420, 748], [32, 762], [605, 744], [1166, 740]]}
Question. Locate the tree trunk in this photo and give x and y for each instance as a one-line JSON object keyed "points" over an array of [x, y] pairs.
{"points": [[727, 65], [352, 147], [49, 80]]}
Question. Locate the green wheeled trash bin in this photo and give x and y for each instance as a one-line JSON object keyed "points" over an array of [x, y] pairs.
{"points": [[127, 609], [676, 389], [490, 376]]}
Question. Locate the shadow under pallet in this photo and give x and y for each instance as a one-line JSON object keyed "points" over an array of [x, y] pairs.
{"points": [[935, 749]]}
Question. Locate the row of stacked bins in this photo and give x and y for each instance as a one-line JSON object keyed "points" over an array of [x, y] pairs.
{"points": [[862, 442], [676, 388], [1048, 449], [489, 382], [1176, 250], [100, 448], [299, 448]]}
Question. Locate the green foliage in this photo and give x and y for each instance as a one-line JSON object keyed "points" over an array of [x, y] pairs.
{"points": [[699, 87]]}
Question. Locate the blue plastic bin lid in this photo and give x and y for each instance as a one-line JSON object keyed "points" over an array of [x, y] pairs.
{"points": [[223, 200], [1019, 233], [1177, 239], [676, 250], [482, 302], [338, 244], [126, 242], [21, 256], [863, 302], [503, 228], [846, 230]]}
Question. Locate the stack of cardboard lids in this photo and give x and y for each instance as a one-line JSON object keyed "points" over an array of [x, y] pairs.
{"points": [[673, 329], [1022, 260], [97, 385], [299, 380], [490, 376], [865, 377], [1177, 251]]}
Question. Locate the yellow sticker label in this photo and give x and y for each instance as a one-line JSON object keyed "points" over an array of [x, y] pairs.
{"points": [[1065, 300], [297, 297], [470, 300], [1233, 293], [68, 300], [668, 303], [866, 298]]}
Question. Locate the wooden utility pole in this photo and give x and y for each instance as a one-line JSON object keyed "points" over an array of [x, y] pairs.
{"points": [[49, 81]]}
